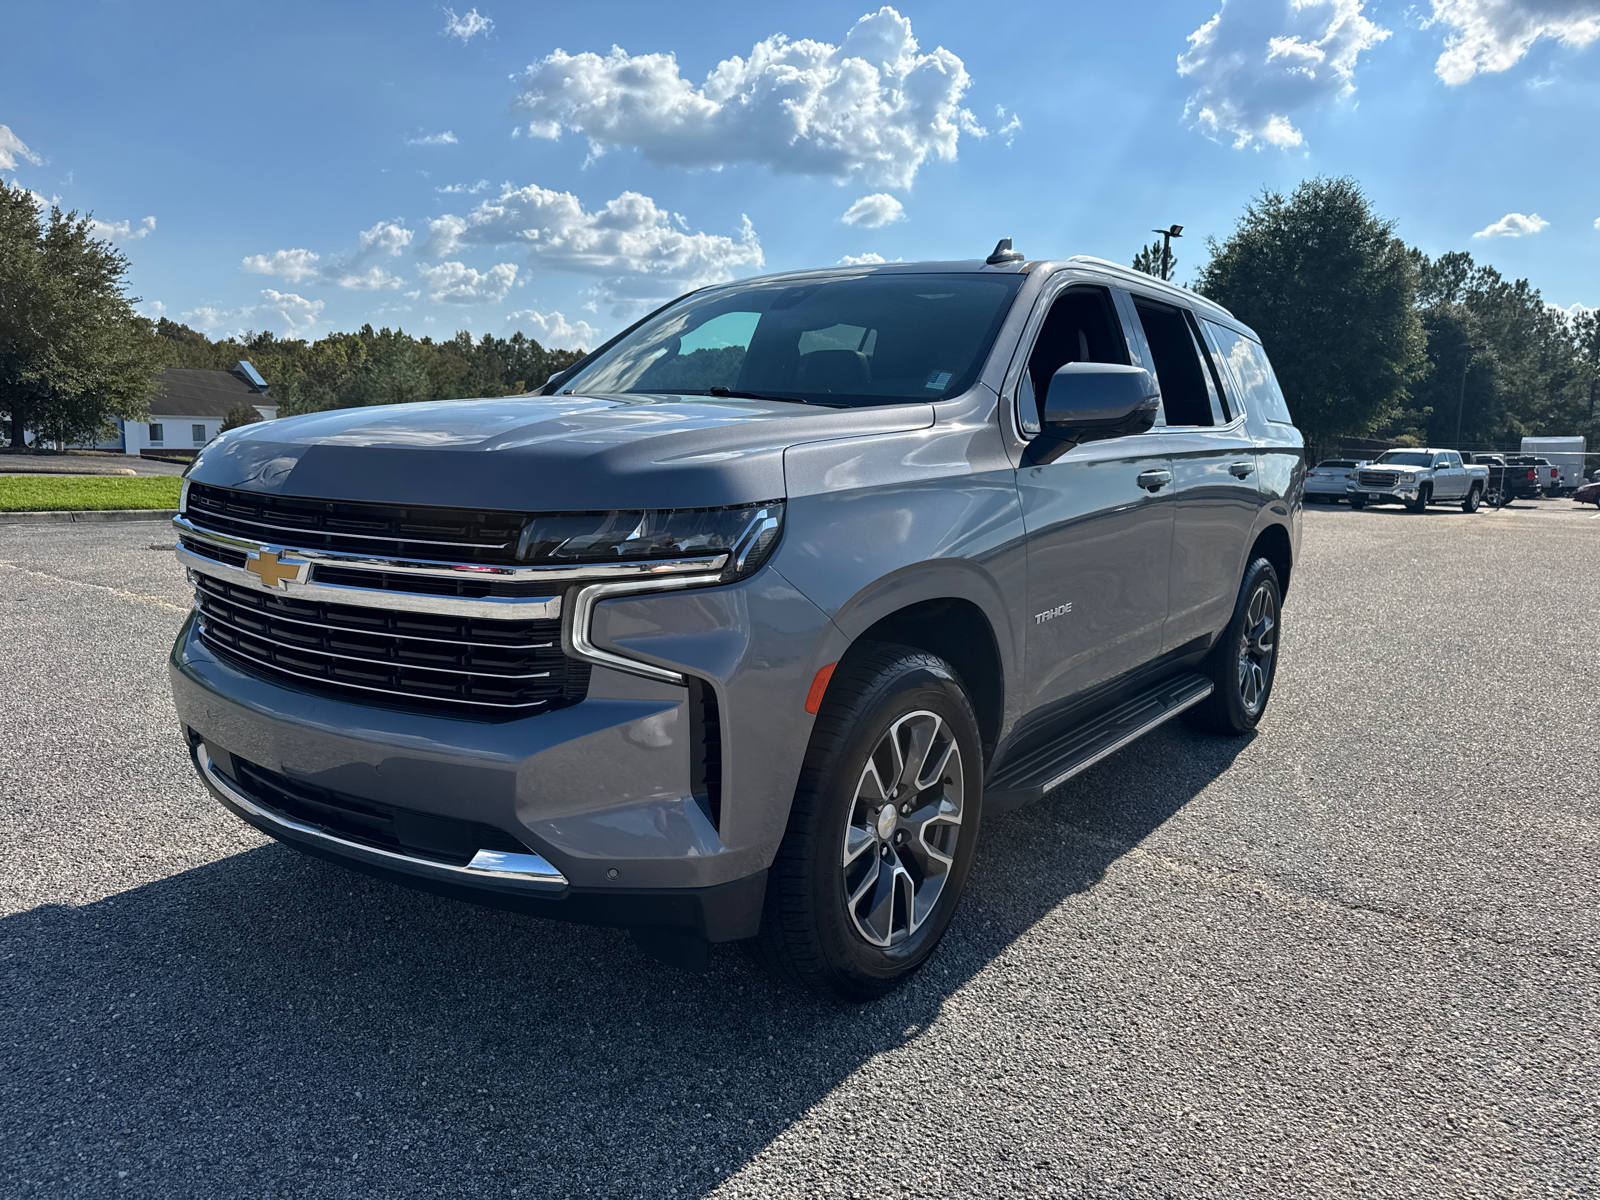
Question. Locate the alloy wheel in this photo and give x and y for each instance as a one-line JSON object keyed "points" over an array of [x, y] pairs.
{"points": [[900, 839], [1258, 643]]}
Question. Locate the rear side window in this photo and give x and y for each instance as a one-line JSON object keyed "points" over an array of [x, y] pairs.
{"points": [[1186, 391], [1247, 365]]}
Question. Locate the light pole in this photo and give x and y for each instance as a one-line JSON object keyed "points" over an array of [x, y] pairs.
{"points": [[1166, 248], [1461, 403]]}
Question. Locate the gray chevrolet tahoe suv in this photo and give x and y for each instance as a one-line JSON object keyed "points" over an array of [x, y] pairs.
{"points": [[737, 629]]}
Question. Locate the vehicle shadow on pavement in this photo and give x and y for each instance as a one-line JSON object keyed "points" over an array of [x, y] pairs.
{"points": [[273, 1025]]}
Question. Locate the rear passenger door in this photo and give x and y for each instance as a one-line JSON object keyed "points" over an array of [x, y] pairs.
{"points": [[1215, 494], [1098, 517]]}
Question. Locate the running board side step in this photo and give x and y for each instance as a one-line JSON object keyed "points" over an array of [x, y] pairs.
{"points": [[1035, 774]]}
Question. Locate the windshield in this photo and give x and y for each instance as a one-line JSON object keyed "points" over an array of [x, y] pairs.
{"points": [[1335, 463], [1406, 458], [848, 341]]}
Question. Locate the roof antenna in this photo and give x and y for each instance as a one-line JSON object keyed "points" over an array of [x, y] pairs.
{"points": [[1003, 253]]}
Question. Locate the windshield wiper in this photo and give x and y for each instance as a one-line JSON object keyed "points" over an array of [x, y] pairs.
{"points": [[722, 393]]}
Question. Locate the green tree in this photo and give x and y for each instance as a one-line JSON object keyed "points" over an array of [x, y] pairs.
{"points": [[1148, 260], [73, 353], [1331, 291], [241, 414]]}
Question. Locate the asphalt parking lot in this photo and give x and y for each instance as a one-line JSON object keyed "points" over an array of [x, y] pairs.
{"points": [[1353, 955]]}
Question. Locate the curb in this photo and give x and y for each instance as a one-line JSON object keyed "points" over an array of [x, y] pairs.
{"points": [[88, 516]]}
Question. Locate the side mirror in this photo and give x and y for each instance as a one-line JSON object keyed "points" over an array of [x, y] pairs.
{"points": [[1091, 401]]}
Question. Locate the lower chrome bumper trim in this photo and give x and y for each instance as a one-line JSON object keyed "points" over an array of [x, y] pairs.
{"points": [[529, 869]]}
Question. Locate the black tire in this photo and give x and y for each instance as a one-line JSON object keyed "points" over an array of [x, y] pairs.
{"points": [[1474, 498], [1229, 710], [1424, 494], [1358, 502], [810, 933]]}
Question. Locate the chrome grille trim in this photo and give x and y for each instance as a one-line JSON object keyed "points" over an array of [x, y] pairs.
{"points": [[207, 619], [447, 570], [491, 608]]}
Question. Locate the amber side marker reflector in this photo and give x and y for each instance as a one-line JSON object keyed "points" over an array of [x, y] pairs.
{"points": [[819, 685]]}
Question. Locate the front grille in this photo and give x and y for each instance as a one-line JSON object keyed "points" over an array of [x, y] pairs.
{"points": [[370, 823], [459, 665], [386, 530], [1377, 478]]}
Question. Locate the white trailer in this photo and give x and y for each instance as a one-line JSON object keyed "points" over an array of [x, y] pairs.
{"points": [[1564, 453]]}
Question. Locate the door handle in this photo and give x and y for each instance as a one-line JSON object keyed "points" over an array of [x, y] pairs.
{"points": [[1154, 481], [1241, 469]]}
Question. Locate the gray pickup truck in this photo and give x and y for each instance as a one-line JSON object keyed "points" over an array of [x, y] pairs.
{"points": [[738, 630]]}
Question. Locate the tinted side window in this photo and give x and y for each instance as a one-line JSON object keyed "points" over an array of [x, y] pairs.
{"points": [[1082, 326], [1247, 364], [1186, 394]]}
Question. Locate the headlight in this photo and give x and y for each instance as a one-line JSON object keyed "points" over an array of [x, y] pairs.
{"points": [[746, 534], [1408, 477]]}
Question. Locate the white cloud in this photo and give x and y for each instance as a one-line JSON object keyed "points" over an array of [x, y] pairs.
{"points": [[873, 107], [434, 139], [1009, 130], [289, 265], [465, 27], [358, 271], [1257, 61], [457, 283], [1597, 222], [1493, 35], [123, 231], [281, 312], [469, 189], [874, 211], [554, 331], [1513, 225], [868, 259], [637, 248], [12, 148]]}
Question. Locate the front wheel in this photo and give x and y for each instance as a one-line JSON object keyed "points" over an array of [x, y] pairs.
{"points": [[1424, 495], [1470, 504], [1244, 662], [882, 830], [1358, 502]]}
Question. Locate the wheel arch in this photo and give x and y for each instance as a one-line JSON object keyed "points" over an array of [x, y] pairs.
{"points": [[955, 611], [1273, 544]]}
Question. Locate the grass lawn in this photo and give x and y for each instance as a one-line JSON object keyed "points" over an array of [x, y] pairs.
{"points": [[44, 493]]}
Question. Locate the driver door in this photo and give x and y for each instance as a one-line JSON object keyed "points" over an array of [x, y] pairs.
{"points": [[1099, 520]]}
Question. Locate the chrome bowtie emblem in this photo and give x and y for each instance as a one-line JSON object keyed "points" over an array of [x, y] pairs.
{"points": [[273, 572]]}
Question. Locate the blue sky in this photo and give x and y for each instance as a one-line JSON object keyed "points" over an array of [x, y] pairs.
{"points": [[284, 166]]}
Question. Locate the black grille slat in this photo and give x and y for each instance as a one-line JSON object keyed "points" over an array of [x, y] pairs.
{"points": [[440, 534], [465, 666], [370, 822]]}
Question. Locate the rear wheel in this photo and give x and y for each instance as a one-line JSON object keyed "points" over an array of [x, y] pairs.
{"points": [[882, 830], [1244, 662], [1470, 504]]}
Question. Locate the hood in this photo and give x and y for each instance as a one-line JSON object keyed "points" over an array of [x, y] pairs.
{"points": [[540, 453]]}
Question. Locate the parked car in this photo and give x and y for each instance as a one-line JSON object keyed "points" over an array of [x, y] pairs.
{"points": [[1418, 478], [1589, 493], [1545, 476], [738, 629], [1331, 478], [1507, 483]]}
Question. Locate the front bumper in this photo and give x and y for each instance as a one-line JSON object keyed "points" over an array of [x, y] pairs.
{"points": [[521, 883], [1401, 493]]}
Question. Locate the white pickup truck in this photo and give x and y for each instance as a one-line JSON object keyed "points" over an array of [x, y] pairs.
{"points": [[1418, 478]]}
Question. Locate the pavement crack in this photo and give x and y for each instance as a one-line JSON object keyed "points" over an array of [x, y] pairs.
{"points": [[1268, 889], [123, 592]]}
